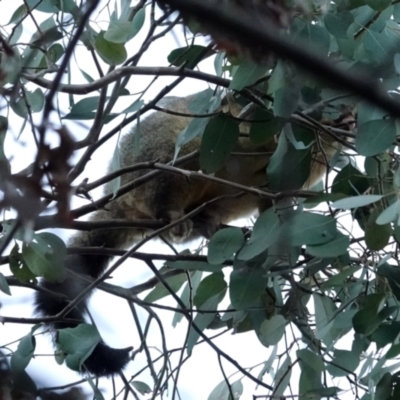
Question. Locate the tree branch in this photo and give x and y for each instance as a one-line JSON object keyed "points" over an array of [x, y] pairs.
{"points": [[126, 71], [253, 33]]}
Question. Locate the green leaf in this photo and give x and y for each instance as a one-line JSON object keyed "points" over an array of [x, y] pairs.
{"points": [[376, 236], [368, 319], [389, 214], [309, 228], [12, 40], [393, 276], [396, 60], [89, 116], [54, 53], [378, 5], [313, 360], [218, 63], [86, 76], [281, 75], [309, 382], [137, 23], [189, 56], [247, 74], [33, 102], [264, 126], [194, 129], [135, 106], [46, 6], [350, 181], [272, 330], [377, 166], [263, 235], [384, 387], [247, 283], [356, 201], [202, 103], [286, 100], [18, 14], [45, 255], [224, 244], [394, 350], [4, 285], [219, 138], [203, 320], [343, 362], [188, 291], [282, 377], [338, 279], [118, 31], [385, 334], [288, 168], [367, 112], [23, 355], [97, 395], [78, 344], [373, 137], [160, 291], [347, 47], [267, 368], [380, 45], [19, 268], [195, 266], [221, 391], [334, 248], [141, 387], [83, 107], [49, 34], [111, 53], [337, 24], [210, 286], [315, 38], [325, 312], [314, 201]]}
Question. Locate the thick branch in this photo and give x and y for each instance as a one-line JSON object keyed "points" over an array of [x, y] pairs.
{"points": [[126, 71], [252, 32]]}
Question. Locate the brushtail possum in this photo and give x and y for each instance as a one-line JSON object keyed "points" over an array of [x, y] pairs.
{"points": [[167, 197]]}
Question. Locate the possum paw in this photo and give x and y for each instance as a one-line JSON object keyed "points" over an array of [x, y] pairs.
{"points": [[181, 232]]}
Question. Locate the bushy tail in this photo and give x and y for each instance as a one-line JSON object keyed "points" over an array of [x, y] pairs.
{"points": [[54, 297]]}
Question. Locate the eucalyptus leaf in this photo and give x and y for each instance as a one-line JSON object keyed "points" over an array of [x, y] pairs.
{"points": [[78, 344], [111, 53], [219, 138], [203, 320], [374, 137], [263, 235], [247, 283], [224, 244], [356, 201], [247, 74], [272, 330], [337, 24]]}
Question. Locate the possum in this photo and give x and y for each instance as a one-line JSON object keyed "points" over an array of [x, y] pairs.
{"points": [[168, 197]]}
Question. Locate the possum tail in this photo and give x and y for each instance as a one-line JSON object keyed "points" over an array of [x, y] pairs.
{"points": [[104, 360]]}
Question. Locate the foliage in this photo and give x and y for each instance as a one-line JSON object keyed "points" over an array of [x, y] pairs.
{"points": [[317, 277]]}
